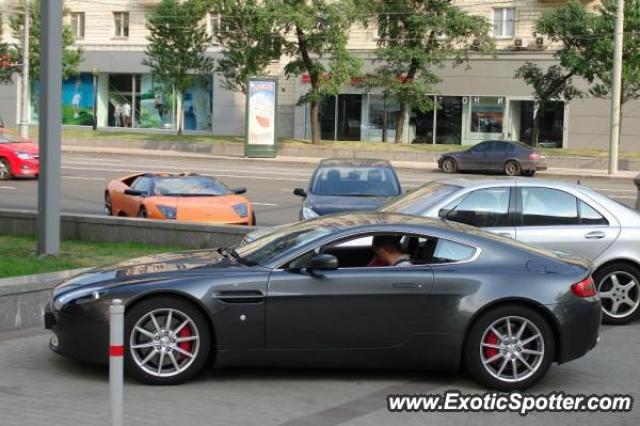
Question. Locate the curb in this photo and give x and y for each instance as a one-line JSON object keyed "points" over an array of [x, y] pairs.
{"points": [[398, 164]]}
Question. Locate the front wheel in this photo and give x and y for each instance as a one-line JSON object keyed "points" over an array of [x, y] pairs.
{"points": [[167, 341], [142, 213], [509, 348], [619, 289], [449, 165], [108, 207], [253, 219], [5, 170]]}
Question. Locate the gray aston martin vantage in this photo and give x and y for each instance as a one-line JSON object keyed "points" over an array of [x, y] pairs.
{"points": [[361, 290]]}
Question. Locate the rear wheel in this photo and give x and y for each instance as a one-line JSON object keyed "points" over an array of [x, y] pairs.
{"points": [[510, 347], [619, 289], [449, 165], [108, 208], [512, 168], [167, 341], [529, 173], [5, 170]]}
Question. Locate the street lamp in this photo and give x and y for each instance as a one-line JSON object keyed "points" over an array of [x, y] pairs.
{"points": [[95, 71]]}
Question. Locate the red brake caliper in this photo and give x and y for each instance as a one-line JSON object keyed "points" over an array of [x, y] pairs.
{"points": [[185, 346], [491, 339]]}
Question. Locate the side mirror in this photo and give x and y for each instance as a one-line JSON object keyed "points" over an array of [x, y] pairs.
{"points": [[323, 262], [443, 213], [135, 193], [300, 192], [240, 190]]}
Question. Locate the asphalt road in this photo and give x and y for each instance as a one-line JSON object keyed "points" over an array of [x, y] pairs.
{"points": [[38, 387], [269, 184]]}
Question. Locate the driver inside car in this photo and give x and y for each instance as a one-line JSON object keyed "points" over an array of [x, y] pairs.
{"points": [[388, 252]]}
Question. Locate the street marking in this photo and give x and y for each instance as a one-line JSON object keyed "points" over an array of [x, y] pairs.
{"points": [[84, 178], [265, 204], [7, 187]]}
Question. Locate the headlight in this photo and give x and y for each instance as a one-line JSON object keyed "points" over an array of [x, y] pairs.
{"points": [[24, 156], [81, 294], [241, 209], [168, 212], [308, 213]]}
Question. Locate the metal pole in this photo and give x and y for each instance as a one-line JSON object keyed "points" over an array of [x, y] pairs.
{"points": [[116, 360], [614, 137], [24, 81], [50, 122], [95, 99]]}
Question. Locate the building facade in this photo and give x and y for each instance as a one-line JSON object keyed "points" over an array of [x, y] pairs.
{"points": [[481, 102]]}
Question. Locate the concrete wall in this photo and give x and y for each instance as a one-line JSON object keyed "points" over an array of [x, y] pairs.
{"points": [[8, 104], [128, 230]]}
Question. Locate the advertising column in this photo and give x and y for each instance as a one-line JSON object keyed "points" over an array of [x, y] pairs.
{"points": [[261, 117]]}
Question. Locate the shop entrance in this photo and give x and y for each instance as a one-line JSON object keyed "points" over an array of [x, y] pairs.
{"points": [[551, 124]]}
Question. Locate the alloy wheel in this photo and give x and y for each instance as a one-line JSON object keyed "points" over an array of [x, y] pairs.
{"points": [[620, 294], [449, 166], [4, 170], [164, 342], [512, 349], [512, 169]]}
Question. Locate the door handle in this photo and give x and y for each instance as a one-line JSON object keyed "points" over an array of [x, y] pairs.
{"points": [[595, 235], [407, 285]]}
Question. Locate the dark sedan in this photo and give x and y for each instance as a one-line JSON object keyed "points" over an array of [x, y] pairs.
{"points": [[511, 158], [347, 185], [440, 295]]}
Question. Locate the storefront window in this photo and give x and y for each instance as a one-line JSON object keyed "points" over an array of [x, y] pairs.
{"points": [[421, 127], [198, 105], [487, 114], [124, 99], [156, 105], [551, 124], [349, 117], [77, 100], [382, 110], [449, 120]]}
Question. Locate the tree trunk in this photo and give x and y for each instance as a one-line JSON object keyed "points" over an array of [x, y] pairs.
{"points": [[535, 131], [315, 122], [179, 113], [400, 123]]}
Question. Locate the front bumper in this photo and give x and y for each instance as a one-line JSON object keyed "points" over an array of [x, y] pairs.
{"points": [[78, 334], [26, 168]]}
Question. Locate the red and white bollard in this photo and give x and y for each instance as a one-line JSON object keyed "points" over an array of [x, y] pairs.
{"points": [[116, 359]]}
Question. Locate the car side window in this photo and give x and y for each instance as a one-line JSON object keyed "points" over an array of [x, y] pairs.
{"points": [[483, 208], [481, 147], [449, 251], [548, 207], [589, 215], [143, 184]]}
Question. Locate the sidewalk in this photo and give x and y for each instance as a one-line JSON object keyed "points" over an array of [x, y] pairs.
{"points": [[399, 164]]}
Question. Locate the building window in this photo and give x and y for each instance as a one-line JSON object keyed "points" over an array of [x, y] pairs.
{"points": [[77, 24], [121, 24], [487, 114], [504, 22]]}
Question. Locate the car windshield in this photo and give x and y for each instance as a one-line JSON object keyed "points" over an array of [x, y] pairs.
{"points": [[267, 247], [189, 186], [355, 181], [420, 200]]}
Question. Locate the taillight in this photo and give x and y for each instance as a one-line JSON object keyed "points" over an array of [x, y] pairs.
{"points": [[585, 288], [534, 156]]}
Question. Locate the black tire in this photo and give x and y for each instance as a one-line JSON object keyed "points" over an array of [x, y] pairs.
{"points": [[529, 173], [449, 165], [625, 274], [108, 207], [142, 213], [473, 350], [253, 219], [512, 168], [5, 170], [178, 306]]}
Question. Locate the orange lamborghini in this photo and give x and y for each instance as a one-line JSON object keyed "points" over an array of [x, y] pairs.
{"points": [[187, 197]]}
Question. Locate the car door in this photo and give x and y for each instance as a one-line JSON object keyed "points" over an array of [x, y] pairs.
{"points": [[496, 156], [489, 208], [557, 220], [346, 308], [132, 203]]}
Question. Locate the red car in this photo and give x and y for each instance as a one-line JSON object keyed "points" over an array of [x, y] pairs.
{"points": [[18, 156]]}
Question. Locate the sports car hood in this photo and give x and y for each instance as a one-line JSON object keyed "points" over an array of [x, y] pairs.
{"points": [[217, 208], [328, 204], [149, 268], [28, 147]]}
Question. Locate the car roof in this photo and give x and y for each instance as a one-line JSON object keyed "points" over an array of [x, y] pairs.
{"points": [[508, 181], [354, 162]]}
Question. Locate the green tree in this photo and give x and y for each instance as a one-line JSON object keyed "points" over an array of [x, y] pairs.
{"points": [[6, 72], [177, 48], [249, 43], [551, 85], [586, 45], [71, 55], [415, 38], [314, 38]]}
